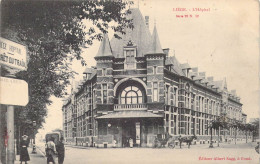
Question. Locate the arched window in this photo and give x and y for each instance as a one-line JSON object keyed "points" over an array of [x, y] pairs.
{"points": [[131, 95]]}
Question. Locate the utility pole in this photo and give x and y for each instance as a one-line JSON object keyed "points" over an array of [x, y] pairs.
{"points": [[10, 132]]}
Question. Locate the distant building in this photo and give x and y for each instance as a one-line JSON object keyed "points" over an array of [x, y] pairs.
{"points": [[138, 91]]}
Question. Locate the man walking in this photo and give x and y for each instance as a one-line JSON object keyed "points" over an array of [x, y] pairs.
{"points": [[50, 150]]}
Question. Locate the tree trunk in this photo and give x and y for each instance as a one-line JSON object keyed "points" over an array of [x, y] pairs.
{"points": [[218, 136], [235, 135], [246, 136], [253, 136]]}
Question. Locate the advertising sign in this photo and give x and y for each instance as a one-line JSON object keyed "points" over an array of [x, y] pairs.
{"points": [[13, 91], [12, 54]]}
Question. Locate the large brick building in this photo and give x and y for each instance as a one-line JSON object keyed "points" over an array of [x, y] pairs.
{"points": [[138, 91]]}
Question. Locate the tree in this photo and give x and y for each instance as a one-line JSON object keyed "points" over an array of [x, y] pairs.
{"points": [[55, 33], [254, 128], [237, 125], [216, 124]]}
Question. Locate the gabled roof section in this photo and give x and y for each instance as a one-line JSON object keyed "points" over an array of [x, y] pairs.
{"points": [[155, 46], [105, 48], [139, 35], [175, 65], [185, 66], [90, 71], [218, 84]]}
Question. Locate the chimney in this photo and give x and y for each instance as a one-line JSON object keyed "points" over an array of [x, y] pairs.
{"points": [[147, 21], [166, 51], [202, 74], [210, 78]]}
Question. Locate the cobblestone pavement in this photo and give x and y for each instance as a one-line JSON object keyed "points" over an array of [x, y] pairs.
{"points": [[243, 153]]}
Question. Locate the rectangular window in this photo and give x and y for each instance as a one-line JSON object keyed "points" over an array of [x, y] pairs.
{"points": [[104, 71], [130, 59], [154, 69], [175, 100], [167, 95], [155, 91], [104, 93]]}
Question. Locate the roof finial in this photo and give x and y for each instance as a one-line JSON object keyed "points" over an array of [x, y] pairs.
{"points": [[174, 53], [154, 21]]}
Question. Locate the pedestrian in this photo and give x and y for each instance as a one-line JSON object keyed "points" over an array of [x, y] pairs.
{"points": [[61, 151], [24, 155], [114, 143], [50, 150], [131, 142]]}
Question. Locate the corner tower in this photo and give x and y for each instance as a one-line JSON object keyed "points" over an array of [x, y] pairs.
{"points": [[155, 59], [104, 88]]}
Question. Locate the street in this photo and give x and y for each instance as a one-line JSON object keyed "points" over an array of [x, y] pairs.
{"points": [[226, 153]]}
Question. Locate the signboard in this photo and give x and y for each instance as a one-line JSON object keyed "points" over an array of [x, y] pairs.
{"points": [[13, 92], [12, 54]]}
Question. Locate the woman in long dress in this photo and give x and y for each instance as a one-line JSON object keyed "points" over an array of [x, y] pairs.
{"points": [[24, 155]]}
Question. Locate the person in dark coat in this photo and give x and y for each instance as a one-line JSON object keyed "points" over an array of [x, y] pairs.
{"points": [[61, 151], [24, 155]]}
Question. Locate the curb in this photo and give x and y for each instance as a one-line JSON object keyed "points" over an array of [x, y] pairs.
{"points": [[42, 152], [79, 147]]}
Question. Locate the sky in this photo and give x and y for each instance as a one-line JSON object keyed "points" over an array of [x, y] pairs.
{"points": [[222, 40]]}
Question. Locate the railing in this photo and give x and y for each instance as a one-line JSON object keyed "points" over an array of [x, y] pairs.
{"points": [[130, 106]]}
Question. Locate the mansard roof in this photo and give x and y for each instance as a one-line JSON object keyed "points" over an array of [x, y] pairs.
{"points": [[139, 36], [105, 48]]}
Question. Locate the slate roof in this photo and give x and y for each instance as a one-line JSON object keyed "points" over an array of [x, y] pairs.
{"points": [[105, 48], [139, 35], [155, 46]]}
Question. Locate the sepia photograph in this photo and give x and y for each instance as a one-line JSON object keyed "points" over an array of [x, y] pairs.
{"points": [[120, 81]]}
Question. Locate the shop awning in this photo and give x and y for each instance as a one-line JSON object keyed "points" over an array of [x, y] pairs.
{"points": [[130, 114]]}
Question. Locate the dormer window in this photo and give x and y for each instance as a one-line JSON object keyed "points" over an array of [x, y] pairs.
{"points": [[130, 54], [130, 59]]}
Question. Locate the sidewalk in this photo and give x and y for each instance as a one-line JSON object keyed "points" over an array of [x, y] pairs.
{"points": [[184, 146], [38, 158]]}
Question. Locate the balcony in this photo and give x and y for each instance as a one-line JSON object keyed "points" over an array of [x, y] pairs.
{"points": [[118, 107]]}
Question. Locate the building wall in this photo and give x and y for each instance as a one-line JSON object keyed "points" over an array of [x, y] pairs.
{"points": [[186, 100], [187, 105]]}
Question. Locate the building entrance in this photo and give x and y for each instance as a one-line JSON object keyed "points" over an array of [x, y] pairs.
{"points": [[128, 133]]}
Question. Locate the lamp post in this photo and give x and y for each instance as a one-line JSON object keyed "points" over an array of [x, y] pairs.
{"points": [[34, 147]]}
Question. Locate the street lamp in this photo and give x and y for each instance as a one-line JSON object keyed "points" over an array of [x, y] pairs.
{"points": [[34, 147]]}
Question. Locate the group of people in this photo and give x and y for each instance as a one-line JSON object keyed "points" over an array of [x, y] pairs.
{"points": [[51, 150], [128, 142]]}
